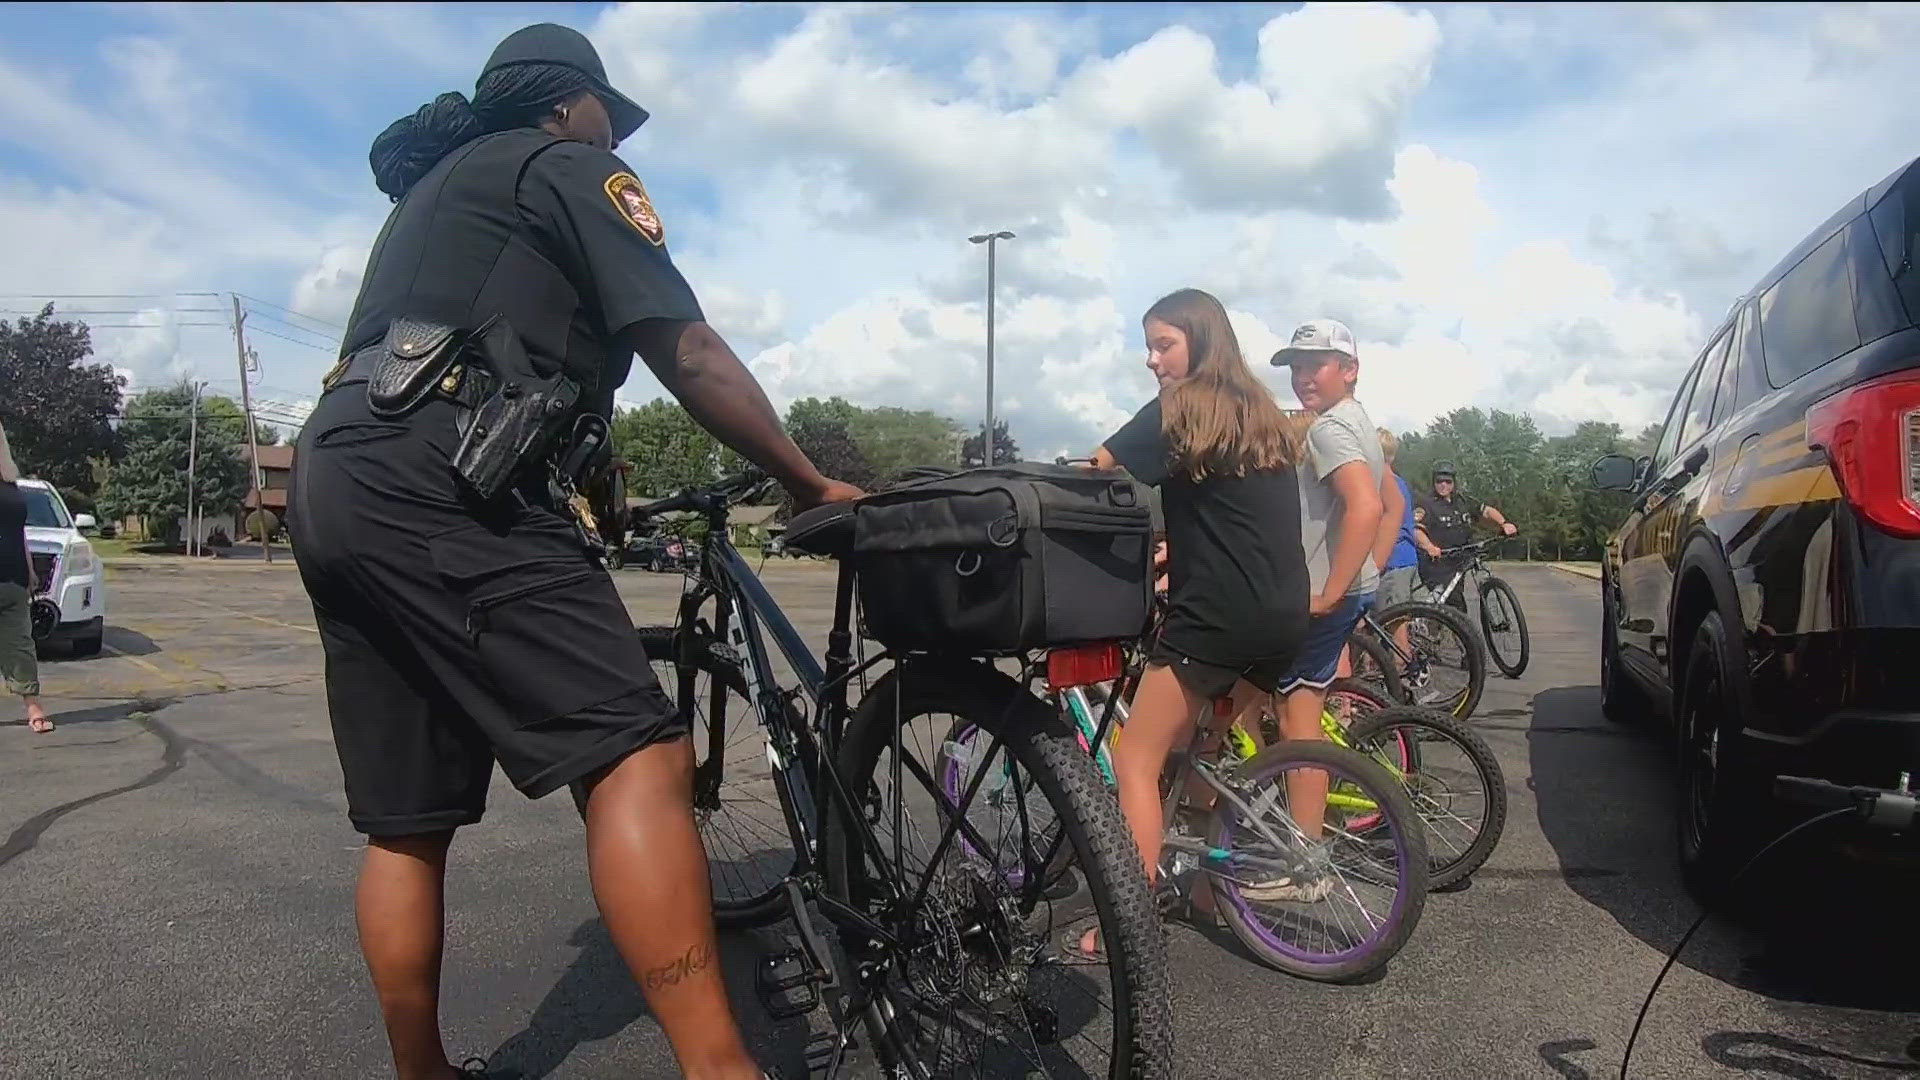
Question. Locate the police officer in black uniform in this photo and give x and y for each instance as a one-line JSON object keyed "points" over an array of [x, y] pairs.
{"points": [[464, 618], [1444, 518]]}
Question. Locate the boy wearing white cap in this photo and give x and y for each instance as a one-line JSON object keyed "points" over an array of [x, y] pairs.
{"points": [[1340, 509]]}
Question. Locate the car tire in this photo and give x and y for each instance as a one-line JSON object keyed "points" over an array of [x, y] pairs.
{"points": [[1621, 699], [1721, 802]]}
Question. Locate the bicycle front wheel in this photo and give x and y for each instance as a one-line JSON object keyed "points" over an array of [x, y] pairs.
{"points": [[737, 803], [1442, 663], [987, 979], [1333, 904], [1452, 777], [1505, 627]]}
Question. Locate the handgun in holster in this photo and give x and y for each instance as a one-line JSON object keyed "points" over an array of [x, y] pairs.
{"points": [[521, 423]]}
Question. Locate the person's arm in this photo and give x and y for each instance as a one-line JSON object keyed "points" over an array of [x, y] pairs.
{"points": [[697, 367], [1493, 517], [1359, 519], [1393, 510]]}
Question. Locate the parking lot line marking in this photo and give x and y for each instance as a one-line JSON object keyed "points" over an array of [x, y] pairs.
{"points": [[255, 618], [155, 669]]}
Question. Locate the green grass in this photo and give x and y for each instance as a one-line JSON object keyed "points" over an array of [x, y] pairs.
{"points": [[116, 548]]}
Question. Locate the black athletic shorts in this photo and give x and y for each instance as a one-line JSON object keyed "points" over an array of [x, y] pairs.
{"points": [[455, 636], [1208, 680]]}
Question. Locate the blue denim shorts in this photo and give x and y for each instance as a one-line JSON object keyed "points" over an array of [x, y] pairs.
{"points": [[1319, 657]]}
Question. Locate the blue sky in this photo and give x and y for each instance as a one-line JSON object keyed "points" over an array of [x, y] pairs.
{"points": [[1532, 207]]}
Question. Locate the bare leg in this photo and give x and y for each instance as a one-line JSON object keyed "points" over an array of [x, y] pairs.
{"points": [[37, 718], [1306, 788], [650, 878], [1161, 714], [400, 905]]}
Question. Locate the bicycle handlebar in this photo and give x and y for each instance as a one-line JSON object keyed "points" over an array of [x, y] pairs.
{"points": [[1880, 807], [1475, 545], [715, 497]]}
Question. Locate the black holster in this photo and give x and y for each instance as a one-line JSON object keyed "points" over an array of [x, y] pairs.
{"points": [[523, 422]]}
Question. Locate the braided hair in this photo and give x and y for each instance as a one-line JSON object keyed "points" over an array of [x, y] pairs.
{"points": [[510, 96]]}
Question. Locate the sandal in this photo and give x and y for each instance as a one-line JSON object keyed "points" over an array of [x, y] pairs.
{"points": [[39, 725], [473, 1069]]}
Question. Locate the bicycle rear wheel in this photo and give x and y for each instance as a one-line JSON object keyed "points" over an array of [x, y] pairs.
{"points": [[1452, 777], [1446, 666], [1371, 860], [1505, 627], [737, 803], [990, 986]]}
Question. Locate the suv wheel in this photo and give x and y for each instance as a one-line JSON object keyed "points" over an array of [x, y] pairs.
{"points": [[1720, 804], [1621, 699]]}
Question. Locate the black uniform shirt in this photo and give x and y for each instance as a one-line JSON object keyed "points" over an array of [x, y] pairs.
{"points": [[560, 237], [1447, 522], [1236, 577]]}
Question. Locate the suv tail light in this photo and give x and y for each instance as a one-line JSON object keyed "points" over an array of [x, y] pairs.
{"points": [[1083, 665], [1871, 433]]}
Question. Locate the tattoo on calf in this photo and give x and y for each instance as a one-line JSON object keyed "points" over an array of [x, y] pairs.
{"points": [[695, 960]]}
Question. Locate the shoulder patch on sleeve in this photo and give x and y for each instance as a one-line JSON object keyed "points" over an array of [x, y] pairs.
{"points": [[629, 197]]}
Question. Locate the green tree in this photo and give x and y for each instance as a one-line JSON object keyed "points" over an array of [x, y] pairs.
{"points": [[57, 408], [891, 440], [1005, 450], [149, 481], [669, 450]]}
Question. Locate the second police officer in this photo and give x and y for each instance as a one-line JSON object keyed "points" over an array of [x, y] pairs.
{"points": [[463, 618]]}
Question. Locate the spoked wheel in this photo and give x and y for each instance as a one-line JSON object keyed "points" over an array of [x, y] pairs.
{"points": [[1452, 777], [736, 802], [1371, 662], [1505, 627], [987, 979], [1334, 901], [1442, 663]]}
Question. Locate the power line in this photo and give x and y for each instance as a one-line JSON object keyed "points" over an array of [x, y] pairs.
{"points": [[119, 311], [290, 311], [104, 296], [295, 340]]}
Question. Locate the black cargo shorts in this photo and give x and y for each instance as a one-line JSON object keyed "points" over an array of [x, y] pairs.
{"points": [[455, 636]]}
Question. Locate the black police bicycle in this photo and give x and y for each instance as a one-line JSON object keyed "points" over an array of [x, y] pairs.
{"points": [[948, 939], [1503, 625]]}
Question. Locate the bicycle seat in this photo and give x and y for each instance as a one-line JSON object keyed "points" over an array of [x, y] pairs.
{"points": [[824, 530]]}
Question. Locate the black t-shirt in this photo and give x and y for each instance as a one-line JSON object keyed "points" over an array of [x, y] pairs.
{"points": [[13, 535], [1237, 579]]}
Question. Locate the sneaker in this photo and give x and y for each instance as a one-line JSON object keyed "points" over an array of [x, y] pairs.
{"points": [[1311, 884], [473, 1069]]}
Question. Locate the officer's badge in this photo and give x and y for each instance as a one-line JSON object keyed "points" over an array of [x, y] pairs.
{"points": [[630, 198]]}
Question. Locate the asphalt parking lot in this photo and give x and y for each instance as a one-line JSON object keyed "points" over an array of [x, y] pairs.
{"points": [[177, 871]]}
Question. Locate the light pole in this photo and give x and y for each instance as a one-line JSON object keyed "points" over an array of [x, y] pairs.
{"points": [[986, 437]]}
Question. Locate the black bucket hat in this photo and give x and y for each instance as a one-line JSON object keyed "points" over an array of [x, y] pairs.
{"points": [[551, 43]]}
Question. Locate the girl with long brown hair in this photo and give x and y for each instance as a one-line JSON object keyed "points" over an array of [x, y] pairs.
{"points": [[1223, 455]]}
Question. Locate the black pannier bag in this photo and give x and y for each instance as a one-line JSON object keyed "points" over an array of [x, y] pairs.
{"points": [[999, 560]]}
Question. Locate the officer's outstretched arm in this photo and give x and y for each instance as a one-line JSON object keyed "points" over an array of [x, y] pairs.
{"points": [[698, 367]]}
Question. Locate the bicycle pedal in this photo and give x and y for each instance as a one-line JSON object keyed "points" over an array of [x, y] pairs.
{"points": [[788, 984]]}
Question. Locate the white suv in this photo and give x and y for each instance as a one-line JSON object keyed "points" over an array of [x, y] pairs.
{"points": [[71, 604]]}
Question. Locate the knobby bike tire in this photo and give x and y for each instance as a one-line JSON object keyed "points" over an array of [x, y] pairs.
{"points": [[1048, 749], [1371, 662], [1510, 666], [741, 899], [1394, 735], [1407, 838], [1472, 650]]}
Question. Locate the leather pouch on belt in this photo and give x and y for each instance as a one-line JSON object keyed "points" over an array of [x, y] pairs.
{"points": [[413, 358], [520, 424]]}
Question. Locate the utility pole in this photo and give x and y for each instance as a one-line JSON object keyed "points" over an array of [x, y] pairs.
{"points": [[986, 438], [193, 462], [246, 409]]}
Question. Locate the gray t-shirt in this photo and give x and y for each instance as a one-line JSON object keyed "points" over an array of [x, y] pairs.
{"points": [[1340, 435]]}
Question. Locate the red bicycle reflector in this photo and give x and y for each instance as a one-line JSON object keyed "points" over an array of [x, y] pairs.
{"points": [[1083, 665]]}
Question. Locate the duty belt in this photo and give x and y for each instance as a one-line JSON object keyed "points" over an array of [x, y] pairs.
{"points": [[464, 384]]}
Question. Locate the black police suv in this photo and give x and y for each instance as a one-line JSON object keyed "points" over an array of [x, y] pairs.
{"points": [[1764, 592]]}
